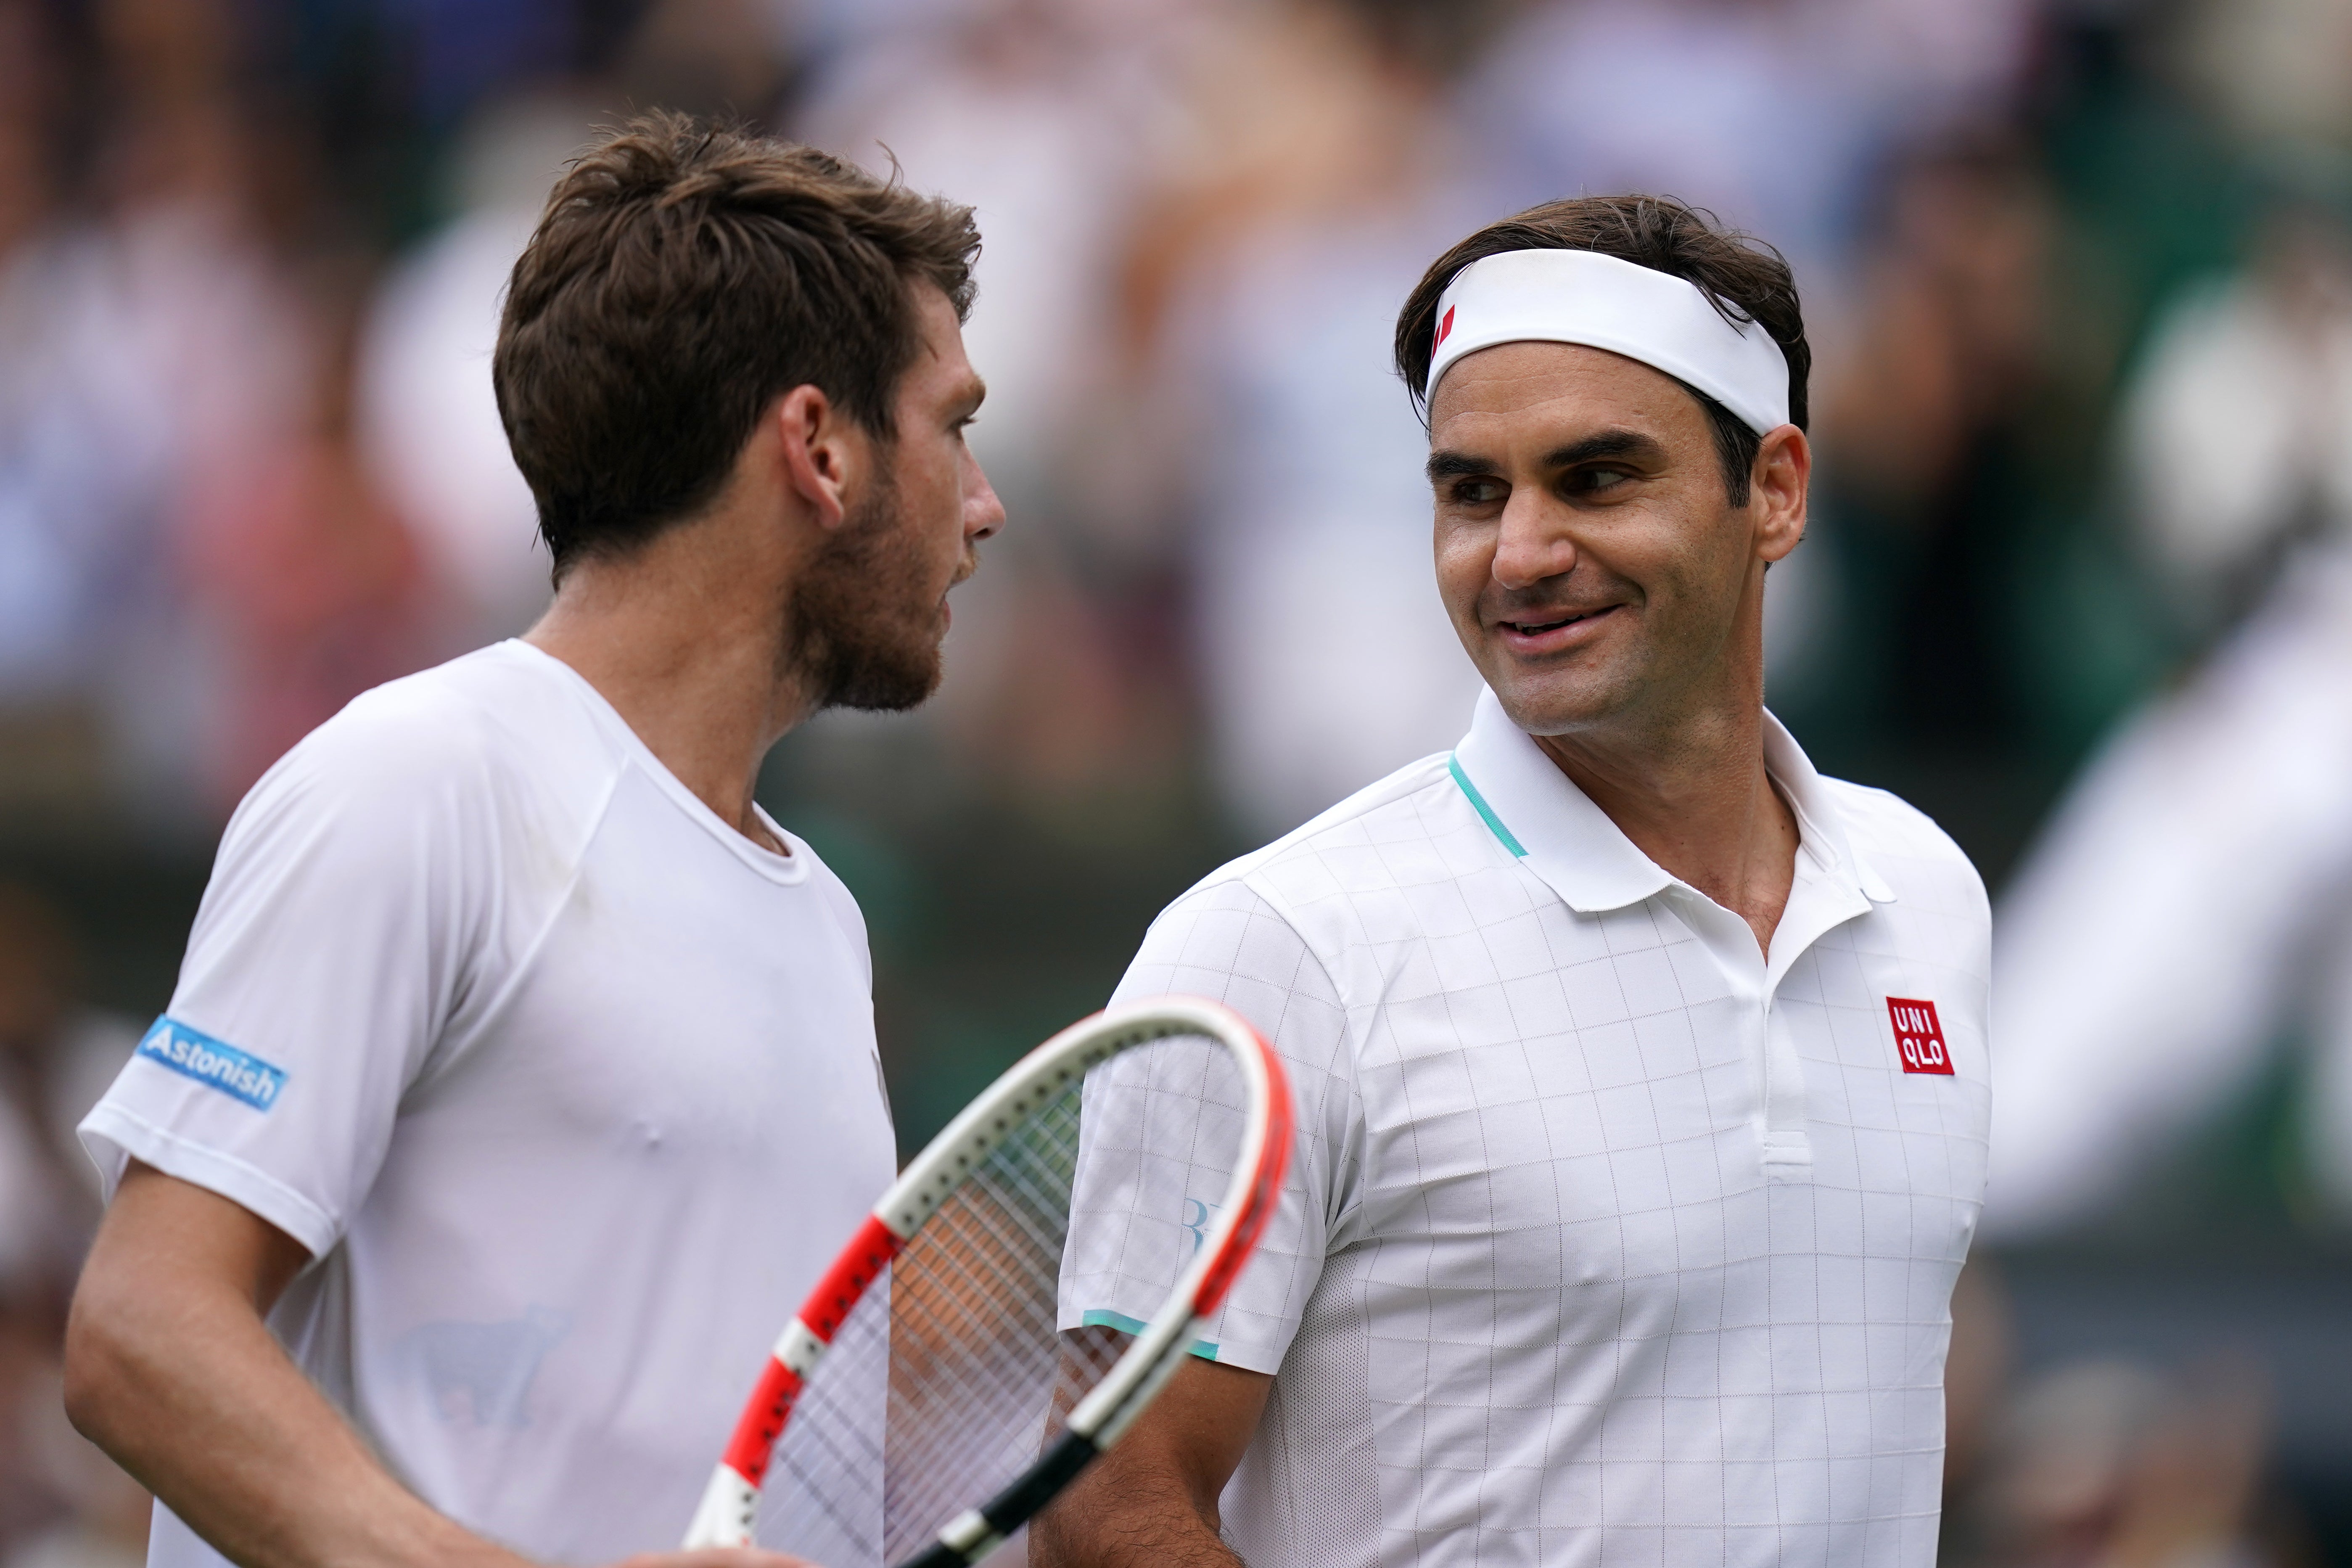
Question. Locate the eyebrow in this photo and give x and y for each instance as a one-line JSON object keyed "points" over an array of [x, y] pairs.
{"points": [[1607, 444], [1444, 466], [1452, 465]]}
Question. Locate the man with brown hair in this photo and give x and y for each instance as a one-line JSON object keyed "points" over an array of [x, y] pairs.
{"points": [[521, 1074], [1640, 1071]]}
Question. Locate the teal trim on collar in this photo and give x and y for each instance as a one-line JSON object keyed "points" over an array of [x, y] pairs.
{"points": [[1097, 1318], [1453, 766]]}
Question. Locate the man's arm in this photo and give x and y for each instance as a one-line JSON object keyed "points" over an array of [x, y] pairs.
{"points": [[171, 1370], [1151, 1502]]}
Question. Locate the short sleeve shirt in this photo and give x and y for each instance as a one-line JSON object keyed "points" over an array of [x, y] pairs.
{"points": [[1607, 1239], [569, 1090]]}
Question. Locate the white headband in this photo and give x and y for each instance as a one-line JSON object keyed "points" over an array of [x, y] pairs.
{"points": [[1583, 297]]}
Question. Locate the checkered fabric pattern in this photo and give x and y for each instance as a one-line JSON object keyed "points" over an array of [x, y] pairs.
{"points": [[1607, 1241]]}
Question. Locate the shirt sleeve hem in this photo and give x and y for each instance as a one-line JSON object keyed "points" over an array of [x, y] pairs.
{"points": [[1249, 1358], [113, 1137], [1103, 1318], [1224, 1352]]}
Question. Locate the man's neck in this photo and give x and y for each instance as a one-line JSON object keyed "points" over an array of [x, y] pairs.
{"points": [[1696, 799], [686, 639]]}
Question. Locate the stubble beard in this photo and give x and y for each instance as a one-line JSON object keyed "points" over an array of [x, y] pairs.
{"points": [[859, 633]]}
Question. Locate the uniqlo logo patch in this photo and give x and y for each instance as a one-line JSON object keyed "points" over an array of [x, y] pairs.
{"points": [[1445, 327], [1918, 1035]]}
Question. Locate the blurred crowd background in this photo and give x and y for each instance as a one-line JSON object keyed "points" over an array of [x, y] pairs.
{"points": [[2079, 582]]}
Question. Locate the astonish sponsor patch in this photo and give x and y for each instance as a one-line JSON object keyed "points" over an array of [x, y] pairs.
{"points": [[193, 1054]]}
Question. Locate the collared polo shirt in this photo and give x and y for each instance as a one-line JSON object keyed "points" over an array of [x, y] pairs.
{"points": [[1607, 1239]]}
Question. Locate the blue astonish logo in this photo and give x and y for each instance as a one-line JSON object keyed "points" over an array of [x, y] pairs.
{"points": [[194, 1054]]}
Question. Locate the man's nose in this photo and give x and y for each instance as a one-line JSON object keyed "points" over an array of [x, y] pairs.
{"points": [[1530, 544], [983, 512]]}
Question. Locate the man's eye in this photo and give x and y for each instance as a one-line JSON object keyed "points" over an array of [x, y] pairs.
{"points": [[1589, 481], [1477, 492]]}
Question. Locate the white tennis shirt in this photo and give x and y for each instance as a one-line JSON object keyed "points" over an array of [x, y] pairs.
{"points": [[570, 1089], [1605, 1241]]}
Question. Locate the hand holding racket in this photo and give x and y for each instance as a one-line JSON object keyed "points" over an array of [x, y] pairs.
{"points": [[924, 1404]]}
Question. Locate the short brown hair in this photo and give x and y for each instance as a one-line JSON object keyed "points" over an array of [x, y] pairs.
{"points": [[1743, 278], [682, 276]]}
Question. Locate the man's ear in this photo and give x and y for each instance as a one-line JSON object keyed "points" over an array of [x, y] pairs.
{"points": [[1776, 488], [824, 452]]}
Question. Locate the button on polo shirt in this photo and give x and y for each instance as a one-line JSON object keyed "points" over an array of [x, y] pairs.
{"points": [[1608, 1239]]}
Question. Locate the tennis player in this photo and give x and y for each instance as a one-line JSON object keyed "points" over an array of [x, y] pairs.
{"points": [[520, 1075], [1640, 1069]]}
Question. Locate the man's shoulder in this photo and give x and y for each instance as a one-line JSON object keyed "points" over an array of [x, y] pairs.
{"points": [[1903, 844], [492, 727], [1290, 933], [1410, 828]]}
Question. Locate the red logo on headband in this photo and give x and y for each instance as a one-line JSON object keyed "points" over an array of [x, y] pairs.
{"points": [[1444, 326]]}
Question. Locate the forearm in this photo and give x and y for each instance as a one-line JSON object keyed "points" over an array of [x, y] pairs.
{"points": [[173, 1373], [1128, 1516], [1151, 1502]]}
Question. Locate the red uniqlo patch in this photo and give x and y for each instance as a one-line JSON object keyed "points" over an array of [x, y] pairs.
{"points": [[1444, 327], [1918, 1036]]}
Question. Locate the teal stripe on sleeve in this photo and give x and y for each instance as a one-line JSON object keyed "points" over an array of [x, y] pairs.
{"points": [[1453, 766], [1097, 1318]]}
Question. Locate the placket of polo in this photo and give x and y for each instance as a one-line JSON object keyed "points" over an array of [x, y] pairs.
{"points": [[1821, 898], [1783, 1146]]}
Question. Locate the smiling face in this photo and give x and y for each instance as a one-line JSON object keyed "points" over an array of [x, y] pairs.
{"points": [[1586, 547], [871, 609]]}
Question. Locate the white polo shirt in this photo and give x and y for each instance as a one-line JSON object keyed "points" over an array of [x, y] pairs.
{"points": [[1606, 1241], [570, 1088]]}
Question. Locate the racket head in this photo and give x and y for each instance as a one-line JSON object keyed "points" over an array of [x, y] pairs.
{"points": [[937, 1388]]}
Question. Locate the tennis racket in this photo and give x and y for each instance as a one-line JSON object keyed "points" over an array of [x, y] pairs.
{"points": [[934, 1393]]}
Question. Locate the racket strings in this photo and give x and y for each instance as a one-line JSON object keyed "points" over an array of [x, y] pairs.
{"points": [[824, 1498], [974, 1352], [950, 1376]]}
